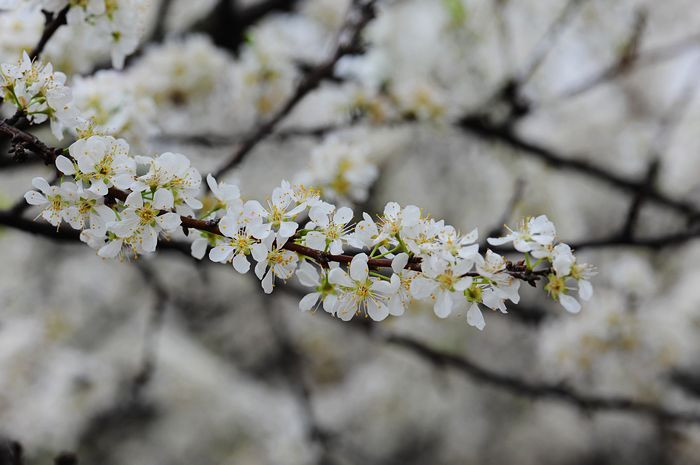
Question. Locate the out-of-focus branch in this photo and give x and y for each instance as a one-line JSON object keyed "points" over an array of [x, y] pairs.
{"points": [[546, 43], [668, 123], [53, 23], [540, 390], [633, 59], [349, 41], [503, 133]]}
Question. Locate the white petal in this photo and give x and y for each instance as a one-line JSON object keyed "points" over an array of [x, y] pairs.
{"points": [[134, 200], [168, 221], [358, 267], [339, 276], [475, 317], [98, 187], [585, 289], [287, 229], [163, 199], [35, 198], [329, 303], [241, 263], [562, 265], [259, 252], [396, 306], [463, 284], [307, 274], [392, 209], [342, 216], [443, 304], [149, 239], [377, 310], [41, 184], [422, 288], [125, 228], [308, 301], [259, 231], [268, 282], [220, 253], [399, 262], [499, 240], [199, 248], [213, 185], [315, 240], [569, 303], [260, 269], [111, 249], [64, 165]]}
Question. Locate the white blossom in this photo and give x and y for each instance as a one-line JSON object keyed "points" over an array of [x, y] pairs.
{"points": [[276, 261], [358, 292], [103, 161]]}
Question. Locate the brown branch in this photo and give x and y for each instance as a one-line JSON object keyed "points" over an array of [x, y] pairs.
{"points": [[540, 390], [502, 132], [546, 43], [630, 61], [348, 43], [53, 23]]}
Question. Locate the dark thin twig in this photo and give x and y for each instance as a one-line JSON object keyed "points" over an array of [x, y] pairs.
{"points": [[632, 61], [539, 390], [545, 44], [348, 43], [53, 23], [503, 133]]}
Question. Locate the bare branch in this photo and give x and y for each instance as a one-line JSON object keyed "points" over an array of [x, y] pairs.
{"points": [[53, 23], [348, 43], [540, 390]]}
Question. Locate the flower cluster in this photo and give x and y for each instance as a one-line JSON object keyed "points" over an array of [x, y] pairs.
{"points": [[101, 165], [39, 92], [535, 238], [115, 22]]}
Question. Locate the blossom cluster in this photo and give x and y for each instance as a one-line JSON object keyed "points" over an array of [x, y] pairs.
{"points": [[124, 203], [39, 93], [535, 238], [115, 22]]}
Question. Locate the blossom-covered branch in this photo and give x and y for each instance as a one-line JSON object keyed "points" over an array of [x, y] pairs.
{"points": [[404, 256]]}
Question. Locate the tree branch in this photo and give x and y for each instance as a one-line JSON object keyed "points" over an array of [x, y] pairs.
{"points": [[539, 390], [53, 23], [482, 127], [348, 43]]}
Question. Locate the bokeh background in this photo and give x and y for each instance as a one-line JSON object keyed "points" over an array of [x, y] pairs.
{"points": [[478, 111]]}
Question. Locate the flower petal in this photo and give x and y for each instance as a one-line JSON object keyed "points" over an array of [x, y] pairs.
{"points": [[358, 267], [241, 263], [308, 301], [475, 317]]}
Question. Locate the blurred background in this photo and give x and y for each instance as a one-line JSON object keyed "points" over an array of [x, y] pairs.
{"points": [[478, 111]]}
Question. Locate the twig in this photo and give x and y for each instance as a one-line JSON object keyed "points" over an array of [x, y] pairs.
{"points": [[546, 43], [348, 43], [485, 129], [625, 64], [52, 25], [540, 390]]}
